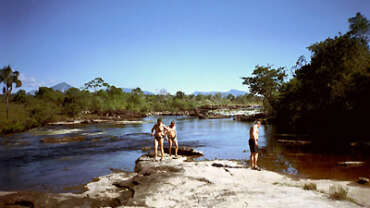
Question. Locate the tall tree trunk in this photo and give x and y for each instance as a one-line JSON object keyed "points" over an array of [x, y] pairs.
{"points": [[7, 106]]}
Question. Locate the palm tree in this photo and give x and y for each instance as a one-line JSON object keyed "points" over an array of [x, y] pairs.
{"points": [[9, 77]]}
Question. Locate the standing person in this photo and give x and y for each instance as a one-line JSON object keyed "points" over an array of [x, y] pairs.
{"points": [[159, 129], [253, 144], [172, 137]]}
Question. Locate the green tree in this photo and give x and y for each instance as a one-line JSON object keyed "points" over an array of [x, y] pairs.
{"points": [[20, 96], [9, 77], [73, 102], [96, 84], [267, 82], [50, 95], [137, 91], [334, 82], [230, 97], [359, 27], [180, 95]]}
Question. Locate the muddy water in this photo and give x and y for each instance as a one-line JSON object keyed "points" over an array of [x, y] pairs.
{"points": [[28, 164]]}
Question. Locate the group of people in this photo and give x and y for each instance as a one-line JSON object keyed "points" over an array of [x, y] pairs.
{"points": [[162, 131]]}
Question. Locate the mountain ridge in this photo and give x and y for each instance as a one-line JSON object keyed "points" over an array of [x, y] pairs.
{"points": [[233, 92], [63, 87]]}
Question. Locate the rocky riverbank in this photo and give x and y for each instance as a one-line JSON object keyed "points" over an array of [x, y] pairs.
{"points": [[239, 112], [185, 183]]}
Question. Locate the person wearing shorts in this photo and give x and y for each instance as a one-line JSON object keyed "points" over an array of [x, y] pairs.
{"points": [[253, 144]]}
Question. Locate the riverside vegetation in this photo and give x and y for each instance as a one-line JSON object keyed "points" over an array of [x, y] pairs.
{"points": [[327, 95], [98, 98]]}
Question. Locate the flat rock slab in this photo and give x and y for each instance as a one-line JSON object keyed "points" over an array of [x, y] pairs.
{"points": [[178, 183]]}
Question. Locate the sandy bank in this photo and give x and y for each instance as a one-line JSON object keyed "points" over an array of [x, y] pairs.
{"points": [[178, 183]]}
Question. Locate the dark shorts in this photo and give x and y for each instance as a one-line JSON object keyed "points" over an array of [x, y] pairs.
{"points": [[252, 145], [172, 138], [158, 138]]}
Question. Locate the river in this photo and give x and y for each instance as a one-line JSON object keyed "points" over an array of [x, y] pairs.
{"points": [[28, 164]]}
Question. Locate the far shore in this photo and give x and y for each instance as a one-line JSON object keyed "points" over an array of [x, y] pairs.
{"points": [[241, 113], [121, 117]]}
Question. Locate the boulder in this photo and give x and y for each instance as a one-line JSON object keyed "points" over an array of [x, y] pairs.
{"points": [[363, 180]]}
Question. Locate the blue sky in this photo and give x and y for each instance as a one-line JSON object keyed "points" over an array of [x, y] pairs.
{"points": [[188, 45]]}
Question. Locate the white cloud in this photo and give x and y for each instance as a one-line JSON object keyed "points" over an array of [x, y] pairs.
{"points": [[31, 83]]}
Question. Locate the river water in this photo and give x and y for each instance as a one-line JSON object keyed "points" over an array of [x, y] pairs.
{"points": [[28, 164]]}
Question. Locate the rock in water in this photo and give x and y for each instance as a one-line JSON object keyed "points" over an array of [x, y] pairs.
{"points": [[63, 140], [363, 180], [351, 163], [183, 150], [293, 142]]}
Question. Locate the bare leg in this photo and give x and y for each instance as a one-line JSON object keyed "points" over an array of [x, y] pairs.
{"points": [[252, 162], [251, 159], [169, 146], [255, 159], [176, 147], [161, 146], [155, 148]]}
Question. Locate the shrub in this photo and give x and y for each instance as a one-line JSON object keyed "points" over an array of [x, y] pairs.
{"points": [[43, 113]]}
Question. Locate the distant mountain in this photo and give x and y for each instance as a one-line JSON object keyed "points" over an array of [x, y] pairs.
{"points": [[235, 92], [224, 94], [61, 87], [128, 90], [32, 92]]}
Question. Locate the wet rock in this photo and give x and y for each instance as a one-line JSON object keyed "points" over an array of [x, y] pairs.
{"points": [[250, 118], [63, 139], [183, 150], [15, 143], [115, 170], [363, 180], [213, 116], [351, 163], [47, 200], [220, 165], [294, 142]]}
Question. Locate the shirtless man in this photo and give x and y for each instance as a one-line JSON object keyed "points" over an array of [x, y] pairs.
{"points": [[159, 129], [172, 137], [253, 144]]}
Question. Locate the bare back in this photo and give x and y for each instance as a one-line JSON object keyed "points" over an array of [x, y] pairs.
{"points": [[253, 132]]}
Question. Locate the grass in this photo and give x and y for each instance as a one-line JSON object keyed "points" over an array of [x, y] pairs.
{"points": [[310, 186]]}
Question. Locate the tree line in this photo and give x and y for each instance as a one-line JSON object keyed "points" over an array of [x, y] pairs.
{"points": [[96, 98], [328, 95]]}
